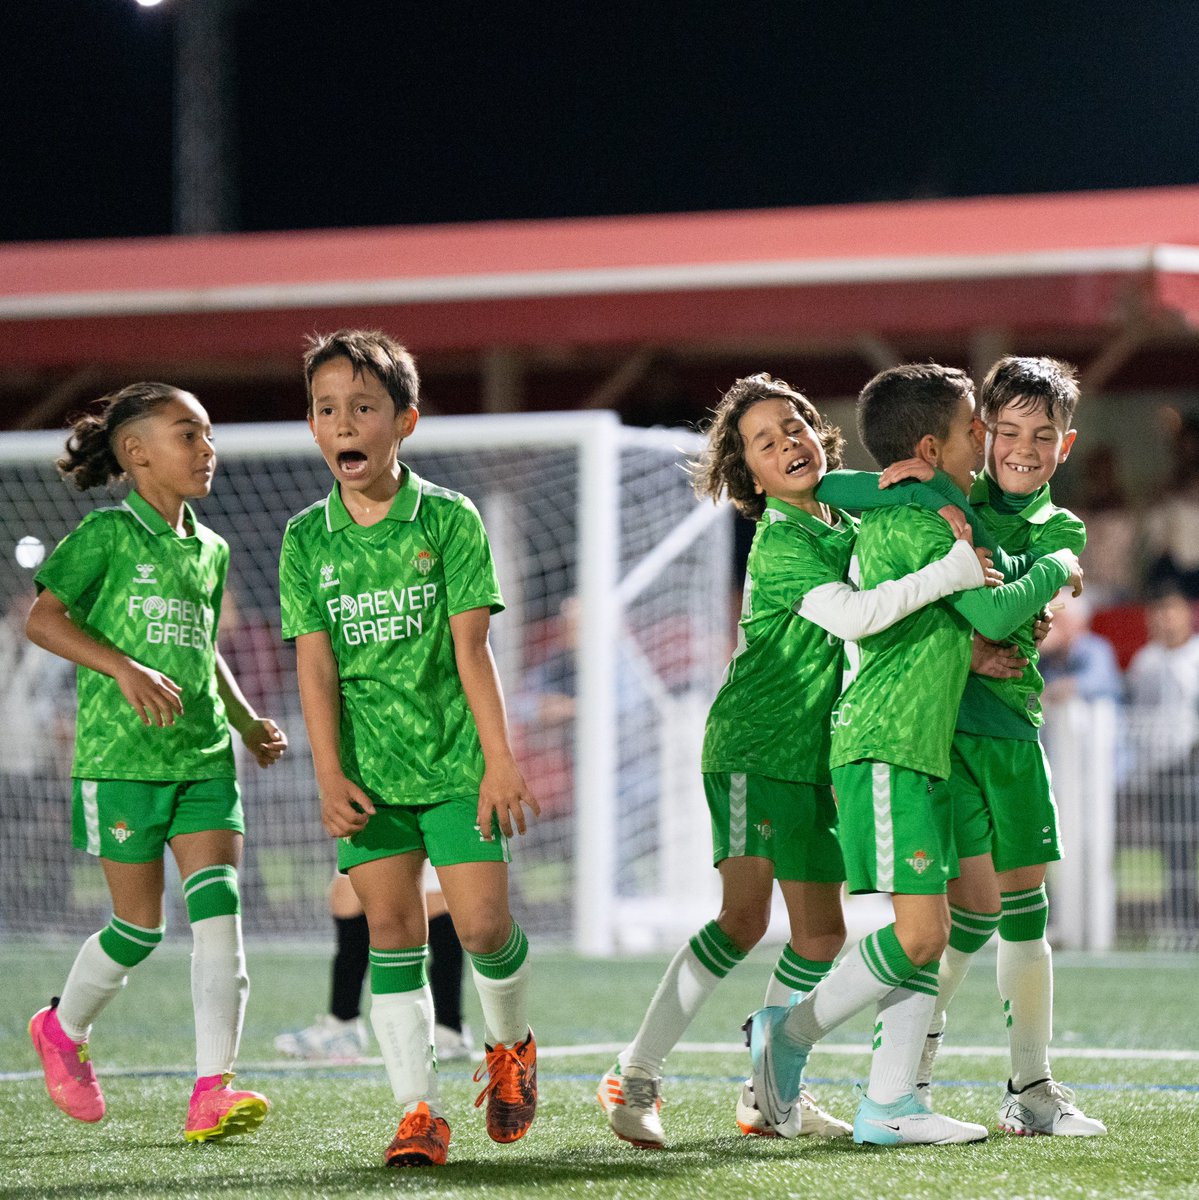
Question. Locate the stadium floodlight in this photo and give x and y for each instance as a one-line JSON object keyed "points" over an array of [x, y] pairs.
{"points": [[149, 3]]}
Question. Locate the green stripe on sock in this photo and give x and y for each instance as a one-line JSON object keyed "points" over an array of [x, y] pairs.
{"points": [[398, 970], [885, 958], [970, 931], [1025, 915], [924, 980], [129, 944], [798, 973], [206, 875], [716, 950], [211, 892], [507, 960]]}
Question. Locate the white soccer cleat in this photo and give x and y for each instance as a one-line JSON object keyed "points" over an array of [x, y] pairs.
{"points": [[906, 1122], [1045, 1108], [631, 1100], [329, 1040], [452, 1044], [807, 1118]]}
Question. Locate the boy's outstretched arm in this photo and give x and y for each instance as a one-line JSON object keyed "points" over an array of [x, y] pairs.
{"points": [[851, 614], [997, 612], [263, 738], [863, 490], [503, 792], [155, 697], [345, 807]]}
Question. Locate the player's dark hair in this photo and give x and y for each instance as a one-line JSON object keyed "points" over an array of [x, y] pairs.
{"points": [[368, 350], [901, 405], [720, 468], [1028, 384], [91, 459]]}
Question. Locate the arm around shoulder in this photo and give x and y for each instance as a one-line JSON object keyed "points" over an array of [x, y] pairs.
{"points": [[851, 614]]}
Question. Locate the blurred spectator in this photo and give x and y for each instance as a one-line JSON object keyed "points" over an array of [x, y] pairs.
{"points": [[1076, 662], [37, 733], [1172, 522], [1163, 790], [1110, 559]]}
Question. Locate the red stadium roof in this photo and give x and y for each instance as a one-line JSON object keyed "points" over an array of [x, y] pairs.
{"points": [[1088, 262], [1074, 261]]}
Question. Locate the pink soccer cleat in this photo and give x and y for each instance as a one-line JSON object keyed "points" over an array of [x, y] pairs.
{"points": [[67, 1066], [218, 1111]]}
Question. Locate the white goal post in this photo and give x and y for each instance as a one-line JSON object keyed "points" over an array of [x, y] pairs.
{"points": [[619, 622]]}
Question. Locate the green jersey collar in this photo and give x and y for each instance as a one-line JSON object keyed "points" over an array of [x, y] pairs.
{"points": [[148, 516], [1037, 511], [788, 512], [403, 506]]}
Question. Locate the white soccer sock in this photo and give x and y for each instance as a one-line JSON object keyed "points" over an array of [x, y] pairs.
{"points": [[220, 988], [94, 980], [505, 1005], [955, 964], [681, 993], [899, 1033], [778, 993], [847, 989], [1024, 972], [403, 1025]]}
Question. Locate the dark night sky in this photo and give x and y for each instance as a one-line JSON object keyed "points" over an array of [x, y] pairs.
{"points": [[348, 112]]}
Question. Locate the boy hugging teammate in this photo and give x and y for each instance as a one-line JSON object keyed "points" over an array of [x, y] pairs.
{"points": [[891, 738], [1005, 819]]}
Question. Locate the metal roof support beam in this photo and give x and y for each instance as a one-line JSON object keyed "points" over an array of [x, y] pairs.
{"points": [[503, 377], [613, 389], [879, 354], [987, 347]]}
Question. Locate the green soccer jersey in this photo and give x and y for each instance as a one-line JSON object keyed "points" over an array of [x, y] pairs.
{"points": [[902, 705], [770, 716], [130, 581], [384, 594], [1011, 708]]}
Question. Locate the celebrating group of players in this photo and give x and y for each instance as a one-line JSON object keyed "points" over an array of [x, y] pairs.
{"points": [[387, 587]]}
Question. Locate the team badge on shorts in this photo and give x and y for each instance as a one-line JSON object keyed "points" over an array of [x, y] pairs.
{"points": [[919, 862], [120, 832], [765, 830]]}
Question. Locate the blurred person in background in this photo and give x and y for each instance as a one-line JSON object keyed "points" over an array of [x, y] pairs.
{"points": [[1111, 557], [1163, 788], [1075, 662], [1172, 522]]}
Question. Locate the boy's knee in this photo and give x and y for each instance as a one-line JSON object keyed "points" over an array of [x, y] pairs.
{"points": [[744, 927], [822, 947], [923, 942], [483, 932]]}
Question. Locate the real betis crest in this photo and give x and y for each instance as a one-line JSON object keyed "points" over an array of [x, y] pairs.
{"points": [[424, 562], [920, 862]]}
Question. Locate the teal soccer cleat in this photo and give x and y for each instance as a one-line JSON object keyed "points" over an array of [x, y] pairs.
{"points": [[777, 1065], [906, 1122]]}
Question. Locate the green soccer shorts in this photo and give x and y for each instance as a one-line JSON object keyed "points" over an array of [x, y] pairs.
{"points": [[896, 829], [1003, 801], [447, 833], [130, 821], [794, 825]]}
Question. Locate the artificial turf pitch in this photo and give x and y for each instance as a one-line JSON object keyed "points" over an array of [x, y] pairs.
{"points": [[1127, 1039]]}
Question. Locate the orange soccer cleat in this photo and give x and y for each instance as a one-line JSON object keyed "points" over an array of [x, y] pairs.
{"points": [[511, 1091]]}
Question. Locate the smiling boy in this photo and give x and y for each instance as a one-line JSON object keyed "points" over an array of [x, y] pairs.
{"points": [[1005, 819], [892, 731]]}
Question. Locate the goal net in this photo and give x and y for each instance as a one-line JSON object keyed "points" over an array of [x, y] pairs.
{"points": [[618, 623]]}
